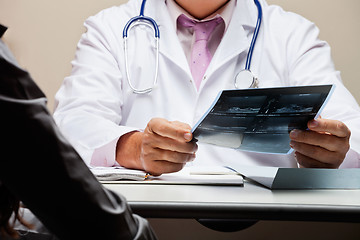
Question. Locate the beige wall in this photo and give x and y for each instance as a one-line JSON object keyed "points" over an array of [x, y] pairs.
{"points": [[43, 34]]}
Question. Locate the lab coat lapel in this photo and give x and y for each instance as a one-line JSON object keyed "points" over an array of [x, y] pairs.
{"points": [[235, 41], [169, 45], [238, 36]]}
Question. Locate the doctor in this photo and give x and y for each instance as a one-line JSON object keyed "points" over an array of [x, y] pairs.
{"points": [[109, 124]]}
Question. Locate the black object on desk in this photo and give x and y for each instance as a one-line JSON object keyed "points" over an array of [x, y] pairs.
{"points": [[315, 178]]}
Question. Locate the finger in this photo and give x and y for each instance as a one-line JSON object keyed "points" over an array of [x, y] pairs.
{"points": [[318, 153], [182, 125], [160, 167], [169, 129], [185, 127], [172, 164], [165, 155], [176, 146], [327, 141], [334, 127], [307, 162], [157, 141]]}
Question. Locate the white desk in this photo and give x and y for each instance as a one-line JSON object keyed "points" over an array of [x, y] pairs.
{"points": [[251, 202]]}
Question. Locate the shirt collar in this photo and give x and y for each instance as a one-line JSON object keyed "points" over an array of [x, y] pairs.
{"points": [[225, 12], [2, 30]]}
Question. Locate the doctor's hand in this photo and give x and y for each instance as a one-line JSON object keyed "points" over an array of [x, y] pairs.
{"points": [[324, 145], [163, 147]]}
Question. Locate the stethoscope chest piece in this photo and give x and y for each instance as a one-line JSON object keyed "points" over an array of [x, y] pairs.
{"points": [[246, 79]]}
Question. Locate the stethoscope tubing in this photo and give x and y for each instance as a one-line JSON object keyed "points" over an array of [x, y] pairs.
{"points": [[255, 36], [143, 20], [141, 17]]}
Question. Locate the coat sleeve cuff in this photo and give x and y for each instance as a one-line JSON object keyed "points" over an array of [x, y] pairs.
{"points": [[105, 156]]}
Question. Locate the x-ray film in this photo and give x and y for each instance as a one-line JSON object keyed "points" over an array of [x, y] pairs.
{"points": [[260, 120]]}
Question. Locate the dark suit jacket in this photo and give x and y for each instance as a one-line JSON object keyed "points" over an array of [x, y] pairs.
{"points": [[40, 167]]}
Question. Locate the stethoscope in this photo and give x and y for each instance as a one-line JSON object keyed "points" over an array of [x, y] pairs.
{"points": [[244, 79]]}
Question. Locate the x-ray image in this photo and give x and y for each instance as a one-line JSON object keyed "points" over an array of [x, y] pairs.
{"points": [[259, 120]]}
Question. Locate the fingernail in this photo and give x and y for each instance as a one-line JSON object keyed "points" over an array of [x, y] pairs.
{"points": [[188, 136], [294, 133], [313, 124]]}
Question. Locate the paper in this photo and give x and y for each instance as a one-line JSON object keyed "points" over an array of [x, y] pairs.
{"points": [[200, 176], [259, 120], [118, 173], [187, 176]]}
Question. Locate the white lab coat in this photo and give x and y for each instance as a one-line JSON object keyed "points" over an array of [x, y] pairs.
{"points": [[95, 105]]}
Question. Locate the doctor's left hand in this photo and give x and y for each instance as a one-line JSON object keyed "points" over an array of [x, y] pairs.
{"points": [[324, 145], [164, 147]]}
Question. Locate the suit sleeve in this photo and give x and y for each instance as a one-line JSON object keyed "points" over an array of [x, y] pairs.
{"points": [[44, 171]]}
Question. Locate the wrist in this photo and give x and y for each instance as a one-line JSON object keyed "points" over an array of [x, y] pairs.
{"points": [[128, 150]]}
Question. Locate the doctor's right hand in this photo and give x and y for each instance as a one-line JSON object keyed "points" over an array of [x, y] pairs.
{"points": [[164, 147]]}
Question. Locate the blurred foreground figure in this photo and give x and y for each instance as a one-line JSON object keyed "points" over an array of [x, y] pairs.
{"points": [[42, 170]]}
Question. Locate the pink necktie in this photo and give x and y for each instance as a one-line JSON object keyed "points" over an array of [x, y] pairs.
{"points": [[200, 55]]}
